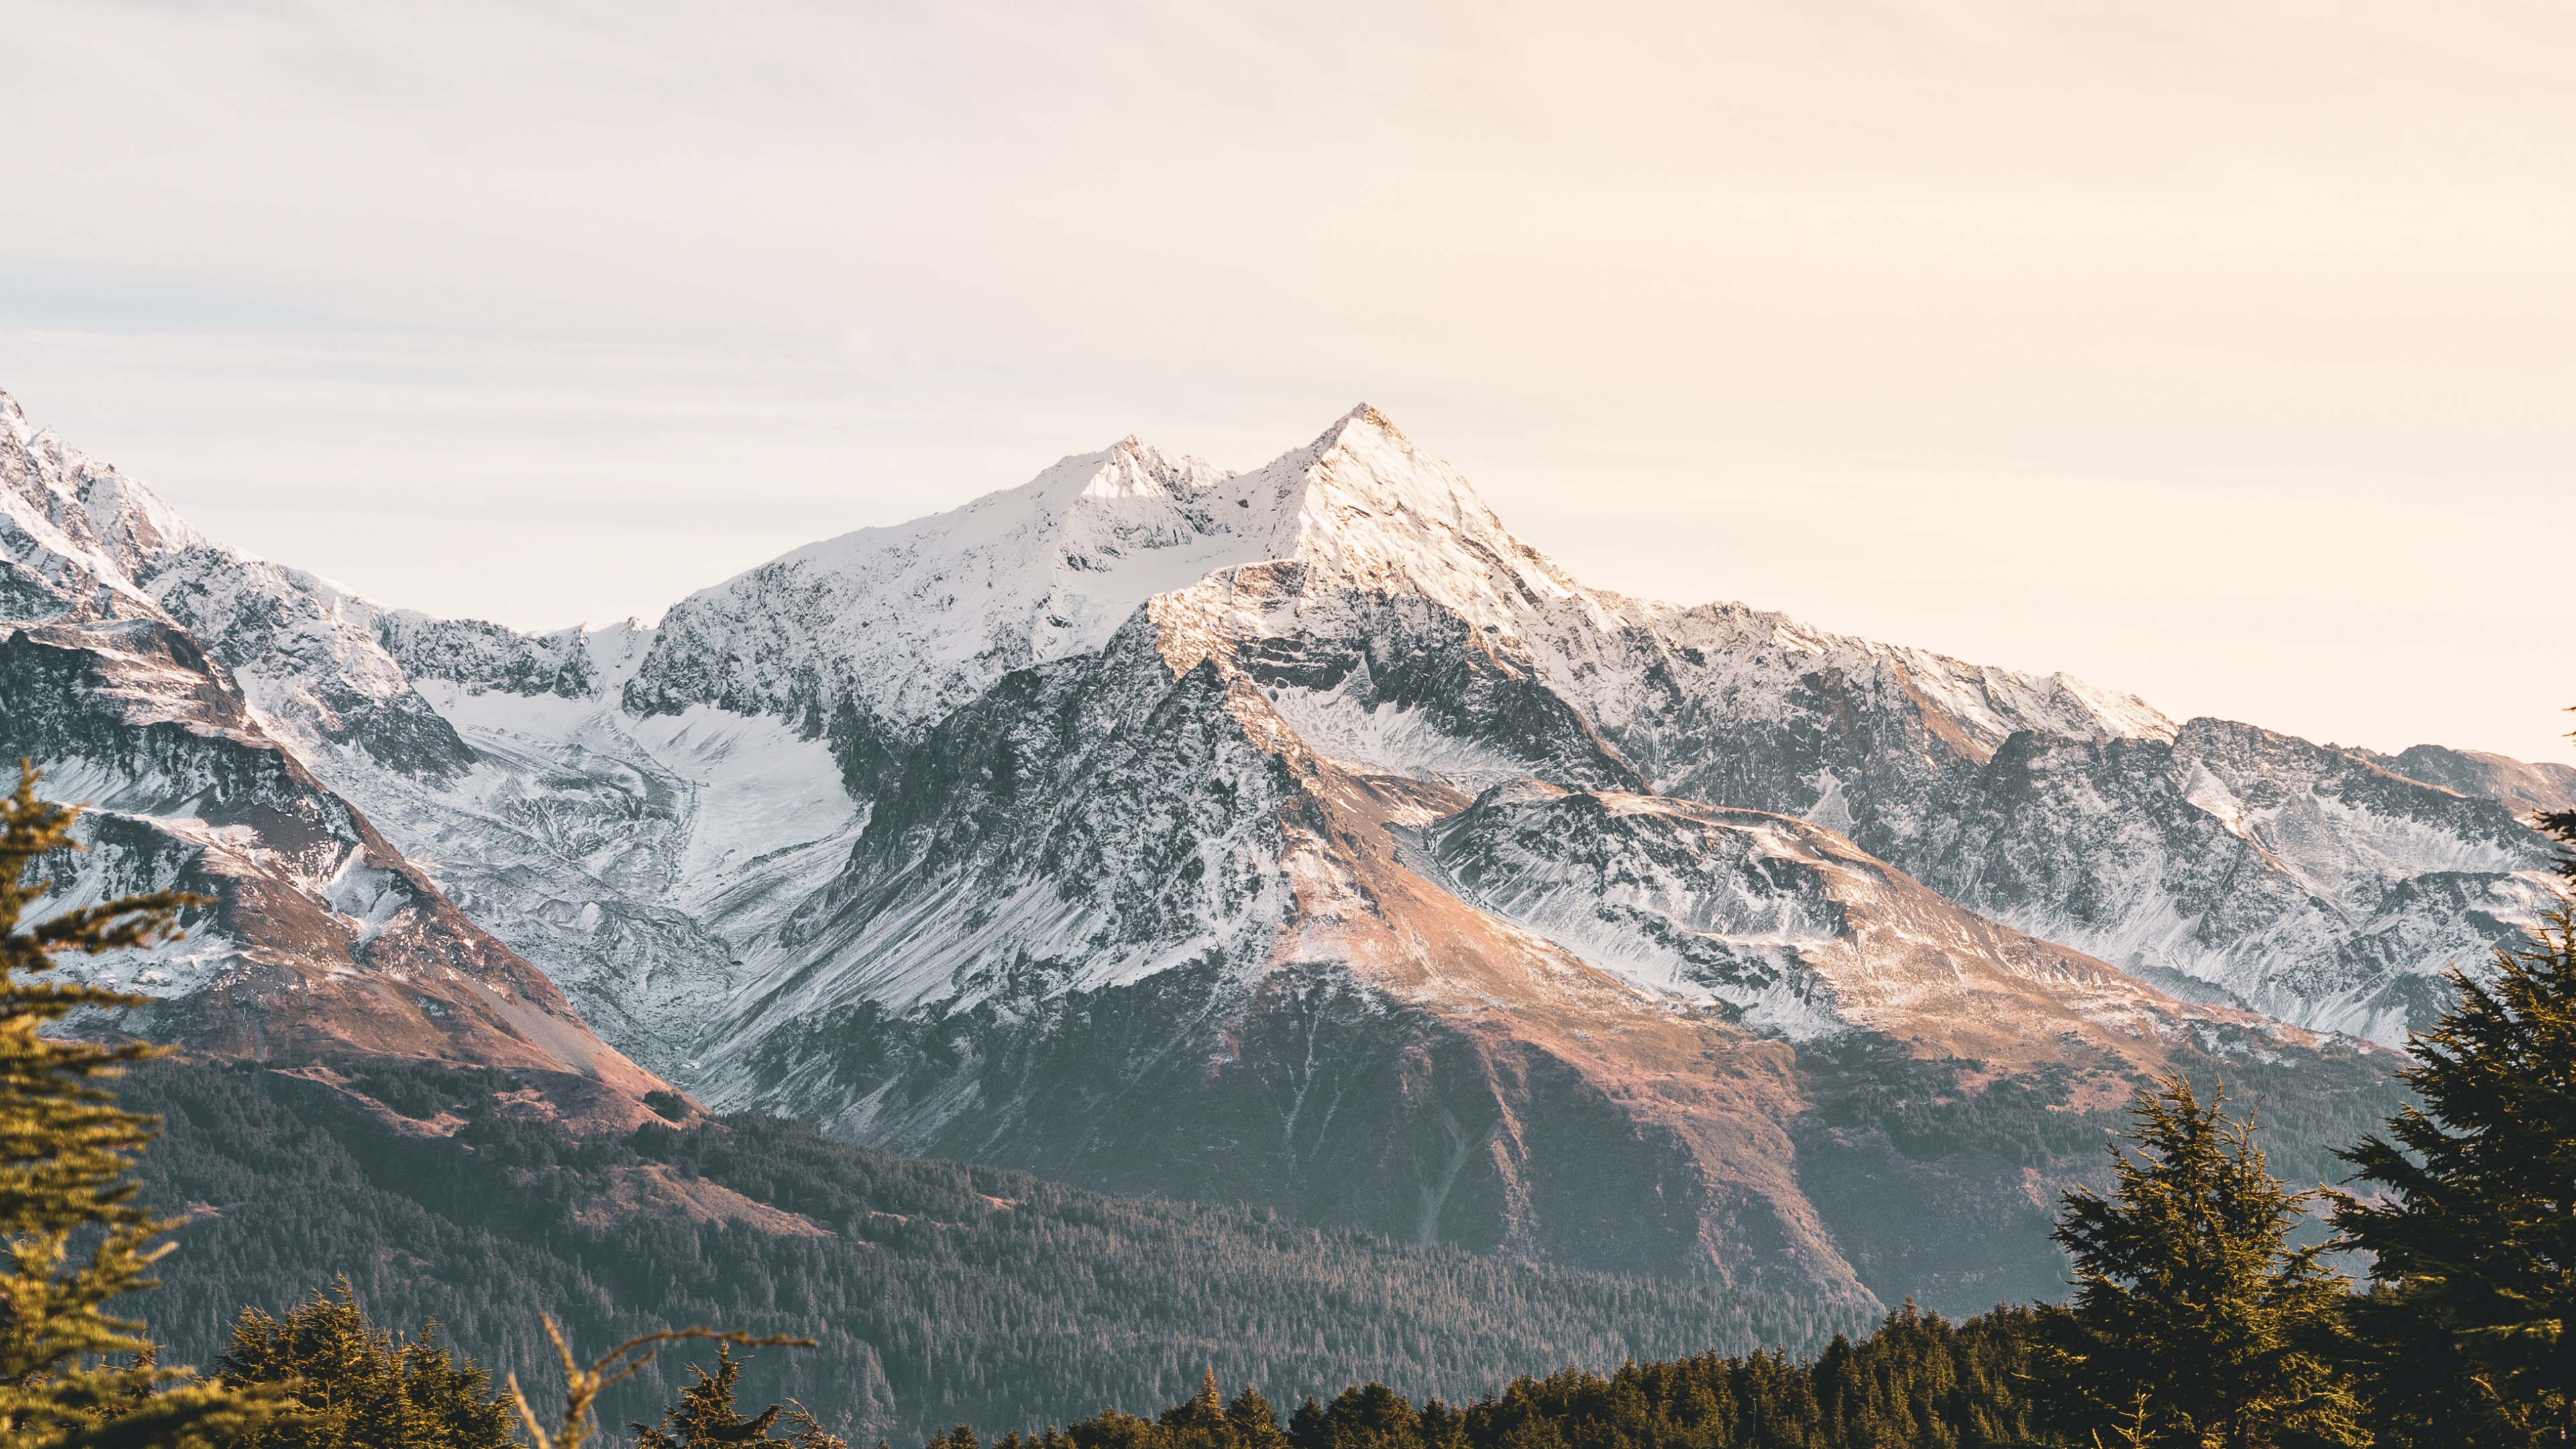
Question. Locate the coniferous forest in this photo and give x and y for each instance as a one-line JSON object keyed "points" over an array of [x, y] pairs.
{"points": [[942, 1293]]}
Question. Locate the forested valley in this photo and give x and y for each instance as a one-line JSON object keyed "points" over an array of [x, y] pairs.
{"points": [[937, 1292]]}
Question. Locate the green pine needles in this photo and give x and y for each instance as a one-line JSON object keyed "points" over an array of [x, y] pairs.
{"points": [[2474, 1230], [66, 1154], [705, 1416], [363, 1387], [2195, 1320]]}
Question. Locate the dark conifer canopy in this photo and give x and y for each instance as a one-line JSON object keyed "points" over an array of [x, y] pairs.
{"points": [[2472, 1226], [66, 1157], [2194, 1317]]}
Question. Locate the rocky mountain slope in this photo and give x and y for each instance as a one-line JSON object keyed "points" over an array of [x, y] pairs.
{"points": [[324, 941], [1301, 837]]}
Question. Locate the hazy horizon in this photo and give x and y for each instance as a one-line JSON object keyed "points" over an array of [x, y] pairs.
{"points": [[2224, 359]]}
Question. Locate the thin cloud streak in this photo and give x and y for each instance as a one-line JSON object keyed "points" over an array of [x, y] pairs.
{"points": [[2221, 355]]}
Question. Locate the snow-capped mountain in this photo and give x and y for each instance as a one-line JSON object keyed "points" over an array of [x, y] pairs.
{"points": [[1301, 836], [324, 940], [1388, 617]]}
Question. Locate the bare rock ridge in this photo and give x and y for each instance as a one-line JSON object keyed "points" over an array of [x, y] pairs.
{"points": [[2483, 776], [1300, 836]]}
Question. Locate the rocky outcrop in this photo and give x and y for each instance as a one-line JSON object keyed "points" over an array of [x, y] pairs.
{"points": [[2222, 860], [2519, 787], [323, 941]]}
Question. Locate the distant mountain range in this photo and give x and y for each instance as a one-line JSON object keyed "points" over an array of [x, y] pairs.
{"points": [[1296, 837]]}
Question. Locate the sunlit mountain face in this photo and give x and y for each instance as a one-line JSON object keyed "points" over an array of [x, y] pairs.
{"points": [[1296, 837]]}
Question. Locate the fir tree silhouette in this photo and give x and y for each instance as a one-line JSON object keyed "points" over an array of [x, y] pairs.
{"points": [[66, 1155]]}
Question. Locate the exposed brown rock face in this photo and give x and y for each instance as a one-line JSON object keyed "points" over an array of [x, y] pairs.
{"points": [[324, 942]]}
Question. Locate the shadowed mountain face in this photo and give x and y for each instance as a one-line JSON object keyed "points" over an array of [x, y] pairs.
{"points": [[1301, 837]]}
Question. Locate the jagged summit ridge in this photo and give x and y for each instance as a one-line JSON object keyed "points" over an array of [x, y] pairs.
{"points": [[1301, 836], [911, 621], [73, 530], [916, 619], [321, 937], [1386, 617], [936, 608]]}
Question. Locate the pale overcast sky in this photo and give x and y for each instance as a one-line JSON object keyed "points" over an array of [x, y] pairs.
{"points": [[2225, 353]]}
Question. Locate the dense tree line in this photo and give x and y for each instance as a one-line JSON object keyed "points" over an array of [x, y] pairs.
{"points": [[943, 1292], [1917, 1381]]}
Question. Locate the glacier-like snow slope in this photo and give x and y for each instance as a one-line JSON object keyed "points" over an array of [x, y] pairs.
{"points": [[562, 827], [921, 618], [1781, 919], [320, 939]]}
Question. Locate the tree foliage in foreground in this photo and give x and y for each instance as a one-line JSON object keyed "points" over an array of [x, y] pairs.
{"points": [[2470, 1336], [2195, 1321], [363, 1387], [706, 1416], [70, 1371]]}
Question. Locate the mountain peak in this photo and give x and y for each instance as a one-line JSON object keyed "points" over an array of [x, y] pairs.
{"points": [[1372, 509], [929, 612], [1364, 415], [85, 528]]}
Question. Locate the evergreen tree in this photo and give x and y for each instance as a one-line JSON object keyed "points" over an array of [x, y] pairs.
{"points": [[1200, 1423], [2474, 1234], [2423, 1391], [1366, 1416], [705, 1417], [2562, 824], [362, 1387], [1308, 1428], [806, 1432], [2195, 1322], [1255, 1424], [1109, 1429], [1206, 1421], [584, 1383], [66, 1151]]}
